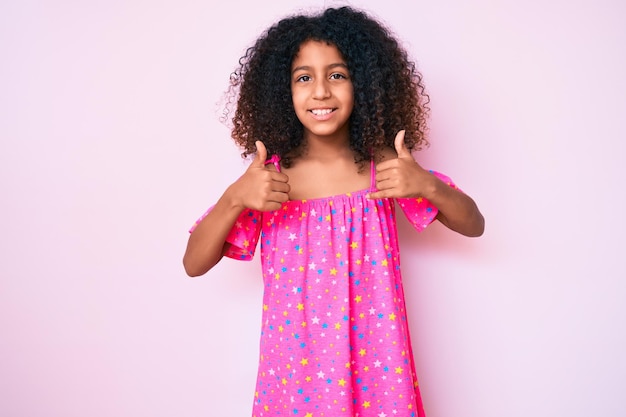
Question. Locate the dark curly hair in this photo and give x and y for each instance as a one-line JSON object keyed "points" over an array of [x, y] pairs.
{"points": [[388, 92]]}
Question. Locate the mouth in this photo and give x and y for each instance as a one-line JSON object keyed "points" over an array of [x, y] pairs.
{"points": [[322, 114]]}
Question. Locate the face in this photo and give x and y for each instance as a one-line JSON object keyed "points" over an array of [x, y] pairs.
{"points": [[321, 91]]}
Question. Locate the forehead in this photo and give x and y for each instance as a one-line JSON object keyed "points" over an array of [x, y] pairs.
{"points": [[314, 52]]}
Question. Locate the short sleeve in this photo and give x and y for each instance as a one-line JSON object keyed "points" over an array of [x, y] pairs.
{"points": [[419, 211], [244, 235]]}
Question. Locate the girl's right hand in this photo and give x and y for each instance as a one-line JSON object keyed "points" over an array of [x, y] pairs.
{"points": [[261, 187]]}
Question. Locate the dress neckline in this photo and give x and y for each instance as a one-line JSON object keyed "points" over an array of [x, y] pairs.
{"points": [[275, 159]]}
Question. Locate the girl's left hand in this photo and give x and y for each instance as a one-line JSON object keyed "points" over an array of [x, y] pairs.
{"points": [[402, 177]]}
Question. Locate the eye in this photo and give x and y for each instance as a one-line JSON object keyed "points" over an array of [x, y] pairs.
{"points": [[338, 76], [303, 79]]}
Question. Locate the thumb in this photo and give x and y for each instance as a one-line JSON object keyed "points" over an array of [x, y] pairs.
{"points": [[401, 148], [261, 154]]}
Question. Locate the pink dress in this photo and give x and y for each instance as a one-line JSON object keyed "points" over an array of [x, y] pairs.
{"points": [[334, 339]]}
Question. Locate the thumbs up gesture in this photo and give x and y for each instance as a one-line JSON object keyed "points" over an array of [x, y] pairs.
{"points": [[261, 187], [401, 177]]}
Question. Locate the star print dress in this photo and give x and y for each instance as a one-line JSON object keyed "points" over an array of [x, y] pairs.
{"points": [[334, 338]]}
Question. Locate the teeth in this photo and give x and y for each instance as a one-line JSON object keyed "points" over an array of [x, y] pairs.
{"points": [[321, 112]]}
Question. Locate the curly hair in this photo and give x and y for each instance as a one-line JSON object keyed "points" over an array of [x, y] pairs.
{"points": [[388, 91]]}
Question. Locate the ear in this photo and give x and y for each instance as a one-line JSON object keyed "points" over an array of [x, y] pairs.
{"points": [[401, 148]]}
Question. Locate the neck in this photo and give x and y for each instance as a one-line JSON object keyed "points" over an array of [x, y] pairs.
{"points": [[327, 146]]}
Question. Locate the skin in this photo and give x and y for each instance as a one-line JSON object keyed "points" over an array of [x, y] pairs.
{"points": [[402, 177], [322, 92], [322, 96], [323, 99]]}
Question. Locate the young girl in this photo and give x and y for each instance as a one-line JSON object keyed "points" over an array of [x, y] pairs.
{"points": [[337, 104]]}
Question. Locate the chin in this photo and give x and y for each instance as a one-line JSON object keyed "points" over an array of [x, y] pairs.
{"points": [[326, 131]]}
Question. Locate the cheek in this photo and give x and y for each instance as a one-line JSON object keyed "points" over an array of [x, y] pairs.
{"points": [[348, 98], [296, 97], [298, 105]]}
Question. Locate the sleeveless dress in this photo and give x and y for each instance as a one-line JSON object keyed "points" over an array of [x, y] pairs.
{"points": [[335, 338]]}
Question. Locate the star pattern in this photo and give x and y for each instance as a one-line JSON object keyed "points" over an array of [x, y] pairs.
{"points": [[334, 338]]}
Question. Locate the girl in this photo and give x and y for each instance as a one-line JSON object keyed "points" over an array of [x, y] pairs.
{"points": [[339, 106]]}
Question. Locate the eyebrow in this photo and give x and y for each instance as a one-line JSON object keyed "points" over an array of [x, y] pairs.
{"points": [[308, 68]]}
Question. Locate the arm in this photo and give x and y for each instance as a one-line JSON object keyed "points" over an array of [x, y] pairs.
{"points": [[457, 210], [259, 188], [403, 177]]}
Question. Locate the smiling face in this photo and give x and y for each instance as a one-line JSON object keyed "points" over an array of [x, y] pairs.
{"points": [[321, 91]]}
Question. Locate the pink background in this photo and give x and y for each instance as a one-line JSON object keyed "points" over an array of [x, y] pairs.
{"points": [[111, 148]]}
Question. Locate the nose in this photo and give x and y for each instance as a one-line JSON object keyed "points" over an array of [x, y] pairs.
{"points": [[320, 89]]}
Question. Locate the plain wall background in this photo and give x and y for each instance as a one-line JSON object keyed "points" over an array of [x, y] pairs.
{"points": [[111, 148]]}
